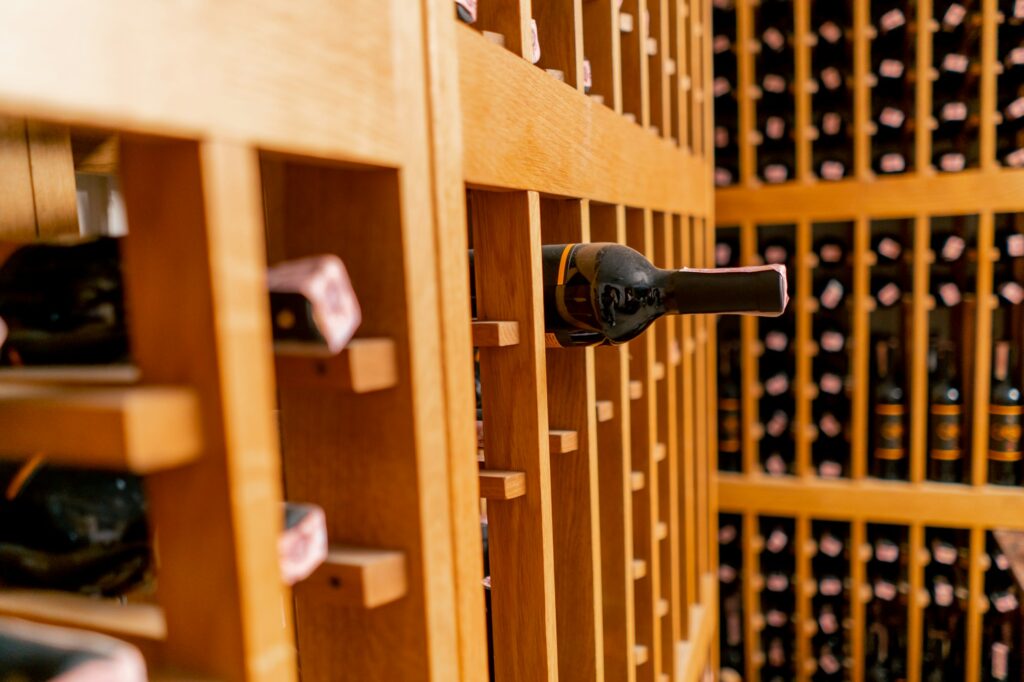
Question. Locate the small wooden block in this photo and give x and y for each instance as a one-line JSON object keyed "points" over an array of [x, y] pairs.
{"points": [[137, 429], [639, 569], [636, 389], [605, 410], [662, 608], [563, 441], [495, 334], [360, 577], [364, 365], [640, 653], [107, 616], [637, 480], [661, 530], [658, 370], [502, 485], [660, 452]]}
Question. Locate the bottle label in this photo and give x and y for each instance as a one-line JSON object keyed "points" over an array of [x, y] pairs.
{"points": [[1004, 442], [728, 425], [890, 431], [945, 430], [1000, 661]]}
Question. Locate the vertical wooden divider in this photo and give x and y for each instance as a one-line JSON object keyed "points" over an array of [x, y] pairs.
{"points": [[703, 97], [918, 358], [668, 470], [574, 479], [643, 432], [752, 428], [53, 179], [602, 45], [745, 77], [674, 62], [977, 603], [506, 238], [802, 84], [752, 655], [923, 112], [915, 601], [681, 26], [803, 584], [615, 466], [860, 347], [710, 600], [510, 18], [658, 75], [17, 209], [982, 348], [636, 99], [861, 93], [988, 102], [687, 485], [858, 585], [805, 306], [701, 435], [560, 32], [194, 266]]}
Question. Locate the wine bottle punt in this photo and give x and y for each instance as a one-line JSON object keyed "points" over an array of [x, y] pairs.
{"points": [[608, 294]]}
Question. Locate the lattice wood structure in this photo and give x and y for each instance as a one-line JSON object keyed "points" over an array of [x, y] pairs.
{"points": [[248, 132]]}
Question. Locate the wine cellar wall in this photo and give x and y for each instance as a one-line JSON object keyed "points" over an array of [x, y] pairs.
{"points": [[870, 481], [574, 538]]}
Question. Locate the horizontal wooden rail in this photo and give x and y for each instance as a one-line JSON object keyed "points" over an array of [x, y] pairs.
{"points": [[495, 334], [107, 616], [502, 485], [137, 429], [359, 577], [364, 365], [96, 375]]}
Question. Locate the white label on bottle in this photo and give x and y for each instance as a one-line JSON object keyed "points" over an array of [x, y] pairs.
{"points": [[831, 253], [954, 15], [892, 163], [830, 545], [831, 123], [828, 423], [1015, 57], [953, 162], [723, 254], [890, 294], [830, 469], [1012, 292], [953, 248], [1001, 562], [486, 582], [1015, 159], [943, 594], [832, 170], [829, 664], [831, 78], [1000, 661], [1016, 108], [831, 586], [831, 383], [832, 341], [777, 384], [774, 83], [775, 255], [726, 574], [944, 553], [588, 75], [892, 19], [891, 117], [890, 248], [773, 38], [726, 534], [776, 341], [1015, 245], [828, 622], [885, 591], [775, 127], [832, 295], [534, 42], [1006, 602], [954, 111], [776, 541], [949, 294], [775, 465], [777, 582], [777, 424], [721, 43], [776, 618], [830, 32], [721, 86], [723, 176], [776, 173], [955, 62], [887, 552], [890, 68]]}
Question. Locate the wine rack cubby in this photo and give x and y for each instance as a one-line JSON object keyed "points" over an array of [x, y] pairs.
{"points": [[576, 538]]}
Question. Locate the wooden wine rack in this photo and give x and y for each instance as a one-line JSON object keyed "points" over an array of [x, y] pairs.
{"points": [[245, 132], [917, 197]]}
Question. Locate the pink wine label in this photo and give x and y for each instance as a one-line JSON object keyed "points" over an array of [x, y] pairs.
{"points": [[891, 20], [773, 38], [885, 590], [776, 541], [776, 618], [954, 16], [777, 384], [302, 547], [726, 574], [949, 294], [324, 281], [774, 83], [832, 341], [832, 294], [776, 341], [588, 76], [830, 587], [828, 622], [887, 552], [893, 162], [889, 294], [831, 123], [833, 170], [890, 248], [726, 534], [775, 127], [954, 62], [777, 582], [943, 594], [830, 32], [890, 68], [944, 553], [891, 117], [831, 78], [1005, 602]]}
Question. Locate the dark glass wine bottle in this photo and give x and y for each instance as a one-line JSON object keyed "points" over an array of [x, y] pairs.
{"points": [[603, 293], [1005, 415], [33, 651], [945, 433], [729, 420], [890, 418]]}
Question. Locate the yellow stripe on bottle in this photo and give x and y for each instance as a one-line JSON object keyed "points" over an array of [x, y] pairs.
{"points": [[563, 262]]}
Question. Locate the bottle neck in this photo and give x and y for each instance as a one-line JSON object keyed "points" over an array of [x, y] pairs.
{"points": [[751, 290], [1001, 364]]}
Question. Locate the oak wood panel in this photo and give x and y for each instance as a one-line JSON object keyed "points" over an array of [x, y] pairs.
{"points": [[53, 179], [602, 46], [358, 577], [495, 334], [17, 208], [635, 76], [560, 31]]}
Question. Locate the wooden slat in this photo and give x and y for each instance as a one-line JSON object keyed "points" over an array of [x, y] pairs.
{"points": [[860, 347], [574, 479], [506, 238], [502, 485], [858, 583], [560, 27], [572, 147], [363, 366], [923, 90], [605, 410], [861, 92], [495, 334], [745, 75], [702, 434], [679, 40], [904, 196], [749, 363], [53, 179], [692, 654], [918, 357], [752, 654], [987, 100], [802, 651], [143, 430], [510, 19], [802, 99], [133, 622], [982, 350], [71, 375], [804, 380], [358, 577], [194, 260], [603, 48], [977, 603], [915, 603], [17, 209]]}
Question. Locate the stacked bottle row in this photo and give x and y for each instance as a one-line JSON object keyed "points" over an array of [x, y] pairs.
{"points": [[886, 594], [952, 313], [892, 36]]}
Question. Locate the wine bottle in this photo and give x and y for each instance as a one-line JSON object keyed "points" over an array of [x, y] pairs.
{"points": [[889, 453], [604, 293], [35, 652], [1005, 416], [465, 10], [302, 546], [729, 416], [63, 303], [945, 449]]}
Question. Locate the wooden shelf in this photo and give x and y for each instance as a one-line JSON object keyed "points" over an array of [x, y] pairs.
{"points": [[502, 485], [133, 622], [137, 429], [365, 365], [359, 577], [495, 334]]}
